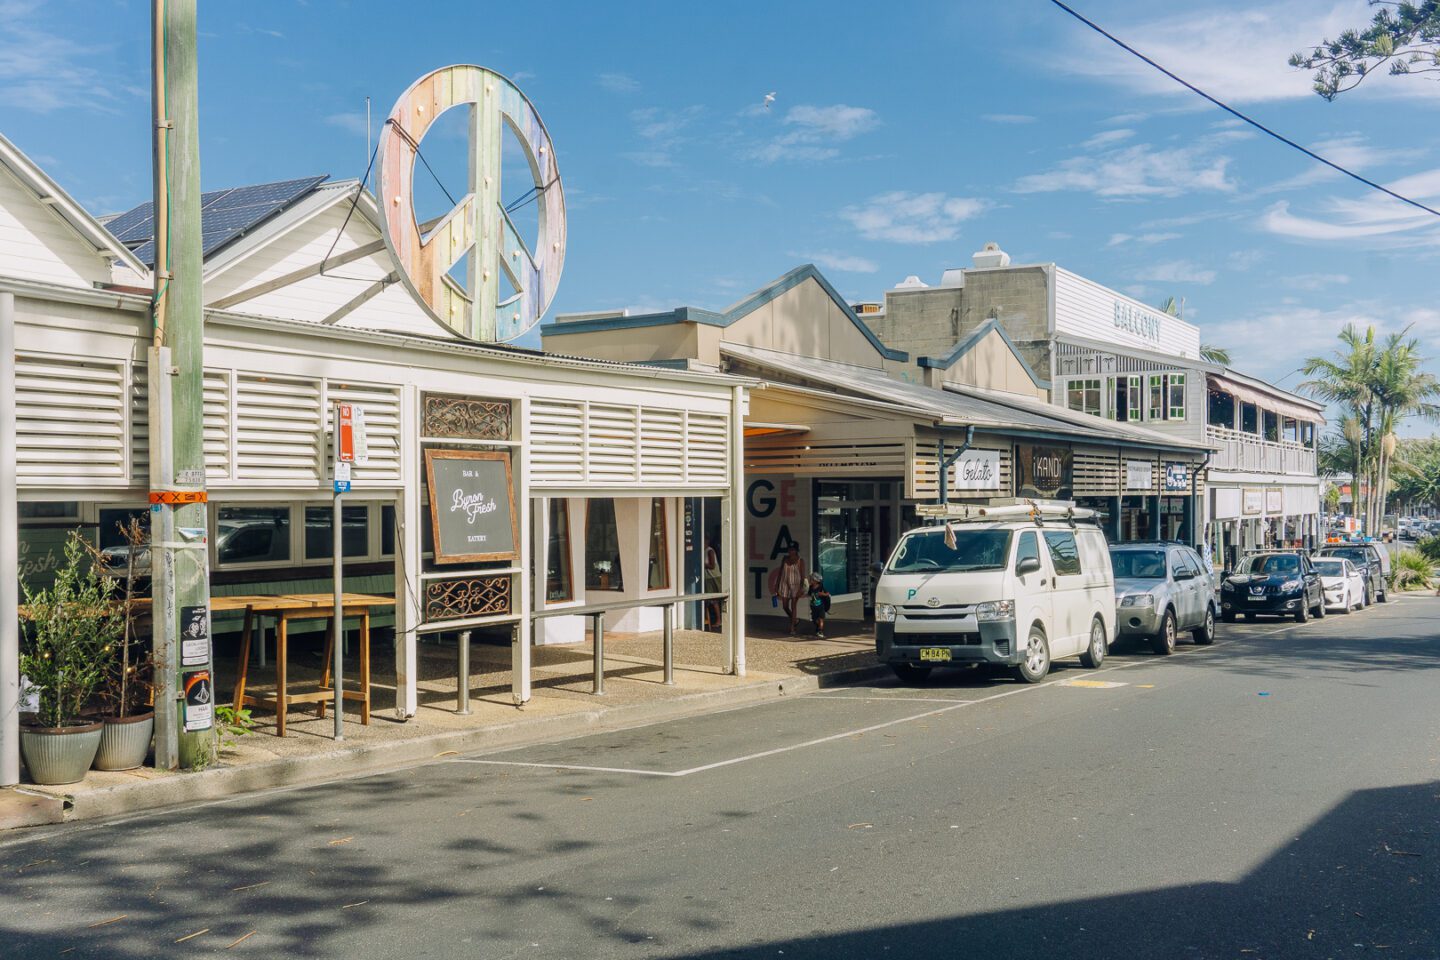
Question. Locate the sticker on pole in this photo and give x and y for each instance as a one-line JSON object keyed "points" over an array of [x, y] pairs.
{"points": [[195, 636], [199, 701]]}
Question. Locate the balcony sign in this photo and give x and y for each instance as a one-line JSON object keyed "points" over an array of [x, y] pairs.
{"points": [[479, 224]]}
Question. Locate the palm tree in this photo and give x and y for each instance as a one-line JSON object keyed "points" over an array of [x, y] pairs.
{"points": [[1401, 389], [1213, 354]]}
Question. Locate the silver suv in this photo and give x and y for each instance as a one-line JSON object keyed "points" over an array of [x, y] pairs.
{"points": [[1162, 588]]}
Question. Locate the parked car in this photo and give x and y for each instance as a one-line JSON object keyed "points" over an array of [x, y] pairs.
{"points": [[1343, 583], [1017, 592], [1281, 583], [1160, 590], [1373, 561]]}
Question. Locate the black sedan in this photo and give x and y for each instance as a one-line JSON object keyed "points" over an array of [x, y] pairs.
{"points": [[1282, 584]]}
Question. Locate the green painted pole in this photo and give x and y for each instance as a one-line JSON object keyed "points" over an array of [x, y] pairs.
{"points": [[184, 696]]}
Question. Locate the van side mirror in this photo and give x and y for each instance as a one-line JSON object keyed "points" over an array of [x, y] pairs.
{"points": [[1027, 565]]}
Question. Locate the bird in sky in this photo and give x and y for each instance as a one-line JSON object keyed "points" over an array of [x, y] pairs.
{"points": [[769, 99]]}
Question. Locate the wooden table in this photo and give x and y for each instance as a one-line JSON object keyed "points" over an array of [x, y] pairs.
{"points": [[301, 606]]}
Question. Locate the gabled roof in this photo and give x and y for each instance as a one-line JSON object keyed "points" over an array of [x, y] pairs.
{"points": [[988, 410], [77, 217], [970, 342], [741, 308]]}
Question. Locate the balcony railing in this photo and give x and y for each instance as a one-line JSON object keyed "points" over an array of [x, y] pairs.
{"points": [[1245, 451]]}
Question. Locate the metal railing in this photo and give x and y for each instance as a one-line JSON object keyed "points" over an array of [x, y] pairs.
{"points": [[1247, 451], [596, 612]]}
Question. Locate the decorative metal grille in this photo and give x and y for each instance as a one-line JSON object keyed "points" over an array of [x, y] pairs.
{"points": [[464, 418], [466, 597]]}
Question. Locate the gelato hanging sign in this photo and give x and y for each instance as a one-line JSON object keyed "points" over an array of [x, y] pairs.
{"points": [[976, 470], [510, 279], [472, 508]]}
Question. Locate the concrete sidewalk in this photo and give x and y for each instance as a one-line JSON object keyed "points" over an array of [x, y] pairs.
{"points": [[562, 706]]}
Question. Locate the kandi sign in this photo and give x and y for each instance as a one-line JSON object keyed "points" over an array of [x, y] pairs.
{"points": [[1137, 320], [1045, 472]]}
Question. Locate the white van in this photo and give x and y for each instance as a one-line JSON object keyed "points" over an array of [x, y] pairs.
{"points": [[1022, 586]]}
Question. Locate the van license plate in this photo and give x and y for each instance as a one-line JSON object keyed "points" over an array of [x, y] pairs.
{"points": [[934, 653]]}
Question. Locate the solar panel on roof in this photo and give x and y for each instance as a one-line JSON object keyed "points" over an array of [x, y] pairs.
{"points": [[224, 215]]}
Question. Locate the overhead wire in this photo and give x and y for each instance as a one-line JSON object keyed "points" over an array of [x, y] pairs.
{"points": [[1238, 115]]}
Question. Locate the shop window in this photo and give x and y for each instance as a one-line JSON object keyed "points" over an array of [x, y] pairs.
{"points": [[1272, 426], [602, 546], [1084, 395], [252, 535], [1249, 418], [1028, 549], [1175, 383], [558, 586], [320, 532], [49, 510], [387, 530], [659, 546], [1064, 554], [1129, 399], [1157, 397], [1290, 430], [1222, 410]]}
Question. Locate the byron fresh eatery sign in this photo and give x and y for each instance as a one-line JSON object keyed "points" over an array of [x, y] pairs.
{"points": [[472, 507]]}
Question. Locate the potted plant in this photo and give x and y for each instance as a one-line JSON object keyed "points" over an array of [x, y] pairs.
{"points": [[74, 627], [127, 713]]}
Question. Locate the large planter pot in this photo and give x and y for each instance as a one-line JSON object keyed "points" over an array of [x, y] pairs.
{"points": [[125, 741], [57, 755]]}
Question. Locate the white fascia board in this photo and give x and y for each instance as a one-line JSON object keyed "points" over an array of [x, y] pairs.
{"points": [[308, 208]]}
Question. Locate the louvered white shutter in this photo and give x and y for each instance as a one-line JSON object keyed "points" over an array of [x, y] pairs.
{"points": [[70, 418], [610, 444], [277, 428], [382, 426], [662, 446], [557, 441], [705, 447], [216, 437]]}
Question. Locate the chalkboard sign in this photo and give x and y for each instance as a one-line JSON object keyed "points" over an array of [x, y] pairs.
{"points": [[472, 505]]}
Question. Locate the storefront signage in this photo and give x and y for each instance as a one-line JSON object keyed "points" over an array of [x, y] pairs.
{"points": [[1139, 475], [195, 636], [511, 280], [976, 470], [1137, 320], [1254, 502], [472, 505], [199, 701], [1045, 472], [1274, 500], [1176, 477]]}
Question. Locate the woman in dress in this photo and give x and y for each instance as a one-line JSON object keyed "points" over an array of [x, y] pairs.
{"points": [[787, 583]]}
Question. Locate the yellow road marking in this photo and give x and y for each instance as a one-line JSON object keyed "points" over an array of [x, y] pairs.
{"points": [[1089, 684]]}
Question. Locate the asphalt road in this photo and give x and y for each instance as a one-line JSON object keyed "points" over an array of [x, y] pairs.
{"points": [[1274, 795]]}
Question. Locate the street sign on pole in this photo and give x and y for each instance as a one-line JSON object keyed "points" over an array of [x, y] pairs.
{"points": [[350, 448]]}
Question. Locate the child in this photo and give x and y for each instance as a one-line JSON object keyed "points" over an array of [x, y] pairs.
{"points": [[819, 604]]}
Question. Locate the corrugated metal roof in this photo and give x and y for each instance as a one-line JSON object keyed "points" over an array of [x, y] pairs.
{"points": [[983, 409]]}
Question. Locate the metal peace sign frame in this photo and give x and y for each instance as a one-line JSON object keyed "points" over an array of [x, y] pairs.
{"points": [[479, 222]]}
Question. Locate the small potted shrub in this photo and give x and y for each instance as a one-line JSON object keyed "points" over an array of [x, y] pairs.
{"points": [[127, 710], [74, 628]]}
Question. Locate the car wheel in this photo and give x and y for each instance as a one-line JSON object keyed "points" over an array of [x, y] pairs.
{"points": [[1348, 602], [1368, 597], [1384, 595], [1094, 654], [1037, 658], [1320, 607], [909, 673], [1164, 641], [1303, 614], [1205, 633]]}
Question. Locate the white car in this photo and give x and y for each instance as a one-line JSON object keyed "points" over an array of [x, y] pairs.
{"points": [[997, 590], [1343, 583]]}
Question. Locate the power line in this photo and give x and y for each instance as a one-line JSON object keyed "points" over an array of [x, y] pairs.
{"points": [[1236, 113]]}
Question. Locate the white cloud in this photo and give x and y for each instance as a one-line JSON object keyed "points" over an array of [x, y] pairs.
{"points": [[618, 82], [1107, 137], [661, 132], [1143, 239], [1350, 151], [902, 217], [1176, 271], [840, 262], [1012, 118], [1349, 224], [43, 71], [1237, 55], [1314, 281], [1135, 171], [813, 132]]}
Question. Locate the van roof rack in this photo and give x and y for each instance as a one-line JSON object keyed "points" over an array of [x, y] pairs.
{"points": [[1009, 508]]}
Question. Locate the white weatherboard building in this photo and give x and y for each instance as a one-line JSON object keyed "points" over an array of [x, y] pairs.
{"points": [[609, 462], [1113, 357]]}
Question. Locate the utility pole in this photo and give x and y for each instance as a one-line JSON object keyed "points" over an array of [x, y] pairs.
{"points": [[184, 683]]}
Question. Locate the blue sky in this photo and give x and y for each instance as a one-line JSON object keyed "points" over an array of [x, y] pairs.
{"points": [[902, 137]]}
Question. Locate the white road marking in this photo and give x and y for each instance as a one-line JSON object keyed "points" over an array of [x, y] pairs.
{"points": [[566, 766], [846, 696]]}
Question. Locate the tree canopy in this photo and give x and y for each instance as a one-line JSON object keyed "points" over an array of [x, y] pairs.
{"points": [[1403, 35]]}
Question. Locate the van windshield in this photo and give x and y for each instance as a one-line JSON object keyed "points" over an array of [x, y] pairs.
{"points": [[926, 552]]}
